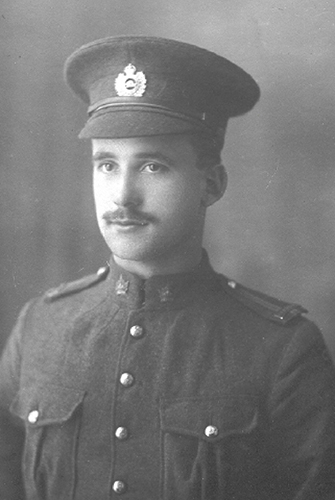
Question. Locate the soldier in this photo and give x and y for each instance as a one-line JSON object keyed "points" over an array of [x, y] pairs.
{"points": [[158, 378]]}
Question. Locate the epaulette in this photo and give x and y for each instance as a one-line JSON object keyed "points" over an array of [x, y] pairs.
{"points": [[269, 307], [76, 286]]}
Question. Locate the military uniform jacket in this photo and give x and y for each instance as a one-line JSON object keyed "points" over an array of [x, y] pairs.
{"points": [[184, 387]]}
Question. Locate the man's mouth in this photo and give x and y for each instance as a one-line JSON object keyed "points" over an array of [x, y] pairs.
{"points": [[123, 219], [128, 222]]}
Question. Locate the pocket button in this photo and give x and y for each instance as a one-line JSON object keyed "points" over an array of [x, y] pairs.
{"points": [[33, 416], [211, 431], [136, 331]]}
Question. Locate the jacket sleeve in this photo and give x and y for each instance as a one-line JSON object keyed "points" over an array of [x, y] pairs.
{"points": [[302, 420], [11, 429]]}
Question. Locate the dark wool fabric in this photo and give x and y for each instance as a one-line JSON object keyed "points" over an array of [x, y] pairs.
{"points": [[203, 358]]}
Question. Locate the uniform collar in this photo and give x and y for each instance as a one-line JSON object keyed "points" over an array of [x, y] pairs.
{"points": [[162, 291]]}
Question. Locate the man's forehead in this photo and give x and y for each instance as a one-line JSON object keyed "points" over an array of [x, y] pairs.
{"points": [[141, 145]]}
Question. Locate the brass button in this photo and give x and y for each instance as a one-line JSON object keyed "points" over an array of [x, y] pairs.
{"points": [[121, 433], [232, 284], [127, 379], [136, 331], [119, 487], [211, 431], [102, 270], [33, 416]]}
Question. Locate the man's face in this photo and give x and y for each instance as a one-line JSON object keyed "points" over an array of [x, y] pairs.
{"points": [[150, 198]]}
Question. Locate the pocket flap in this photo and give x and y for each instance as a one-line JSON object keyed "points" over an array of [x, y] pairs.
{"points": [[50, 404], [209, 419]]}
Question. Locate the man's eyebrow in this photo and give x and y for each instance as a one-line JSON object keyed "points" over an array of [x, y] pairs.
{"points": [[149, 155], [102, 155], [154, 155]]}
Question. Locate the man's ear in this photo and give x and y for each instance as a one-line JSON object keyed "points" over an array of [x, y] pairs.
{"points": [[216, 183]]}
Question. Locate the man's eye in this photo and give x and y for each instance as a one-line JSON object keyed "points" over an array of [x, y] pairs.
{"points": [[152, 168], [106, 167]]}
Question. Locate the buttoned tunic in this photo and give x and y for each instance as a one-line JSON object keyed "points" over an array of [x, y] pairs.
{"points": [[183, 387]]}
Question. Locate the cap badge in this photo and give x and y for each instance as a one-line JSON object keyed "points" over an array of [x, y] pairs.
{"points": [[130, 82]]}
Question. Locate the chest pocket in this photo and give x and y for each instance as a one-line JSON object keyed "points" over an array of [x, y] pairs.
{"points": [[52, 421], [208, 445]]}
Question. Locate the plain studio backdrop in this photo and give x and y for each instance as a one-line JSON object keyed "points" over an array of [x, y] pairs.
{"points": [[274, 230]]}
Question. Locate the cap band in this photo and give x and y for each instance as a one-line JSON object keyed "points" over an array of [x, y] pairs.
{"points": [[202, 118], [140, 106], [109, 103]]}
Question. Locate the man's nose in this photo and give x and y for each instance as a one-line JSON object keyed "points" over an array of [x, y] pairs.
{"points": [[126, 190]]}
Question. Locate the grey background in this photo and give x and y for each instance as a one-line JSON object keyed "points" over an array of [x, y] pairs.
{"points": [[275, 228]]}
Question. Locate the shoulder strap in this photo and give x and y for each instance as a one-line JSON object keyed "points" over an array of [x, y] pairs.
{"points": [[269, 307], [76, 286]]}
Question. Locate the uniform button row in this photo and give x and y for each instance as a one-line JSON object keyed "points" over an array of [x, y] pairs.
{"points": [[119, 487], [121, 433]]}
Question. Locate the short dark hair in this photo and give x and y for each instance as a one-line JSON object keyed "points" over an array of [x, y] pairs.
{"points": [[208, 148]]}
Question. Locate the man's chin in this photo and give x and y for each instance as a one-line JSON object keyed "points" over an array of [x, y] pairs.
{"points": [[129, 252]]}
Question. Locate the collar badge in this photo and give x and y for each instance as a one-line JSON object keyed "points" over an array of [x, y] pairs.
{"points": [[165, 294], [122, 286], [130, 82]]}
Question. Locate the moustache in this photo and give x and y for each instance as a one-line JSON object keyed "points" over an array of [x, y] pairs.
{"points": [[122, 215]]}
